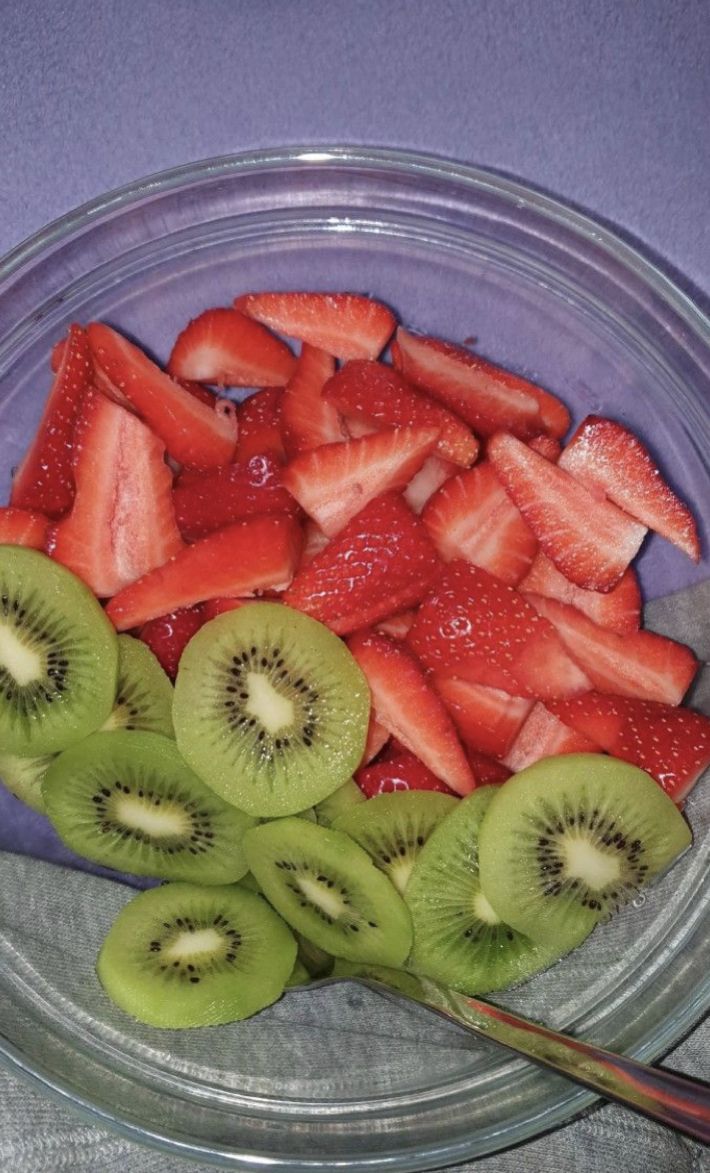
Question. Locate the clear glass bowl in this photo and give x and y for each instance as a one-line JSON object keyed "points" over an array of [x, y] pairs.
{"points": [[339, 1076]]}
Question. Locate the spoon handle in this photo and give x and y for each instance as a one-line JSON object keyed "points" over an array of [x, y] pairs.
{"points": [[674, 1100]]}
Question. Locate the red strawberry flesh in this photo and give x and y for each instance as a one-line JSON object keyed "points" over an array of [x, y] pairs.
{"points": [[168, 635], [307, 419], [23, 527], [212, 500], [618, 609], [227, 348], [343, 324]]}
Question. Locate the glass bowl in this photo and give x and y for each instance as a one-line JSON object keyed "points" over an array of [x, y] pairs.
{"points": [[338, 1077]]}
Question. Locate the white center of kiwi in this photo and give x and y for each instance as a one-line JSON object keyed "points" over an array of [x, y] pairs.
{"points": [[142, 815], [484, 911], [400, 872], [590, 863], [324, 897], [192, 944], [24, 663], [274, 711]]}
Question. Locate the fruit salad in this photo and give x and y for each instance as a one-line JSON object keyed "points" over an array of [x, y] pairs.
{"points": [[334, 628]]}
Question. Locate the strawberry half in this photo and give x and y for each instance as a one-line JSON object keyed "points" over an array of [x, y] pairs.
{"points": [[168, 635], [255, 554], [431, 476], [618, 610], [44, 481], [336, 481], [122, 522], [404, 703], [307, 419], [474, 626], [637, 664], [212, 500], [610, 460], [382, 562], [193, 433], [398, 626], [670, 744], [22, 527], [472, 517], [547, 446], [344, 324], [225, 347], [401, 772], [377, 738], [381, 395], [488, 720], [488, 771], [259, 426], [543, 735], [589, 540]]}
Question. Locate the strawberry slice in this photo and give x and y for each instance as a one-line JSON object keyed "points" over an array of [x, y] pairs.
{"points": [[198, 390], [259, 426], [381, 395], [211, 608], [307, 419], [44, 481], [377, 738], [398, 626], [431, 476], [590, 541], [258, 553], [638, 664], [405, 704], [543, 735], [344, 324], [382, 562], [122, 522], [488, 720], [547, 446], [401, 772], [488, 771], [472, 517], [487, 397], [225, 347], [22, 527], [314, 540], [610, 460], [670, 744], [212, 500], [193, 433], [336, 481], [168, 635], [618, 610], [475, 627]]}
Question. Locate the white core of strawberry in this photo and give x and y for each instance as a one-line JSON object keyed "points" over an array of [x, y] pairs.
{"points": [[23, 663], [274, 711], [588, 862], [192, 944]]}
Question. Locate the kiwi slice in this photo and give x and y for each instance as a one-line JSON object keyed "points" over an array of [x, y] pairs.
{"points": [[458, 938], [570, 839], [24, 776], [299, 975], [128, 801], [328, 889], [58, 655], [186, 955], [393, 828], [318, 963], [344, 798], [144, 694], [270, 709], [398, 979]]}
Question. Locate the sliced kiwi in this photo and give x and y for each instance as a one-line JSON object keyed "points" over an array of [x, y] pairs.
{"points": [[58, 655], [270, 709], [187, 955], [299, 975], [458, 938], [24, 776], [343, 799], [127, 800], [393, 828], [328, 889], [144, 694], [397, 979], [570, 839], [318, 963]]}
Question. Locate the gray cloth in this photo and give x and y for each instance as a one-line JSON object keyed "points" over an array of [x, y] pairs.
{"points": [[44, 911]]}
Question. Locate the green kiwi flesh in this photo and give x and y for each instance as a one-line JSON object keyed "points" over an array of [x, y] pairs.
{"points": [[23, 777], [128, 801], [344, 798], [393, 828], [299, 975], [398, 979], [570, 839], [58, 656], [144, 694], [328, 889], [270, 709], [458, 938], [184, 955]]}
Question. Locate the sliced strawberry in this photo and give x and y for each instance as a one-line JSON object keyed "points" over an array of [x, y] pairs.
{"points": [[638, 664], [256, 554], [357, 427], [22, 527], [488, 771], [307, 419], [547, 446], [193, 433], [225, 347], [168, 635], [474, 626], [211, 608], [472, 517], [544, 736], [403, 772], [212, 500], [610, 460], [488, 720], [259, 431], [122, 522], [431, 476], [618, 610], [670, 744], [590, 541], [382, 562], [398, 626], [44, 481], [381, 395], [198, 390], [336, 481], [344, 324], [377, 738], [314, 540]]}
